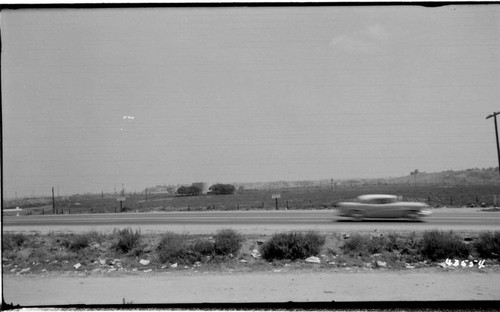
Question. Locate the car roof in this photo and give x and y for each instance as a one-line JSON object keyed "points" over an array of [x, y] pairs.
{"points": [[376, 196]]}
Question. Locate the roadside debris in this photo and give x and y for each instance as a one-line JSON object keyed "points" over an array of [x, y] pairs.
{"points": [[23, 271], [313, 260], [144, 262], [409, 266], [76, 266], [382, 264]]}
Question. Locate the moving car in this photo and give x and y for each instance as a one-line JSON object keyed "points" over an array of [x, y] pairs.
{"points": [[382, 206]]}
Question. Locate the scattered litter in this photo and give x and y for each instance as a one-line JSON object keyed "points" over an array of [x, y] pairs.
{"points": [[409, 266], [13, 270], [134, 270], [243, 261], [163, 266], [174, 265], [102, 261], [331, 263], [144, 262], [382, 264], [256, 254], [313, 260], [443, 265], [23, 271], [111, 270], [76, 266], [149, 270], [277, 271]]}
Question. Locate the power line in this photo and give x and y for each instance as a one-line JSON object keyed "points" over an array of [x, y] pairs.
{"points": [[494, 115]]}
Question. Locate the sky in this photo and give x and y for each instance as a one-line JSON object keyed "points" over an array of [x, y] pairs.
{"points": [[96, 98]]}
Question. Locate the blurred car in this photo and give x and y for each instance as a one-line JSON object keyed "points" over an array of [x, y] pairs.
{"points": [[382, 206]]}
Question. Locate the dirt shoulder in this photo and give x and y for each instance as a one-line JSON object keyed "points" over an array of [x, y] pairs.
{"points": [[276, 285]]}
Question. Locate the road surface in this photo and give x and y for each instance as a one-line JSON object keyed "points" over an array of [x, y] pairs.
{"points": [[263, 222]]}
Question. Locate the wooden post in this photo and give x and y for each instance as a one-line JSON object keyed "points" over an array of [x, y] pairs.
{"points": [[276, 203]]}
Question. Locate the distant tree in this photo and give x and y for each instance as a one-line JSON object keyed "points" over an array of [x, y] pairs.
{"points": [[222, 189], [189, 190]]}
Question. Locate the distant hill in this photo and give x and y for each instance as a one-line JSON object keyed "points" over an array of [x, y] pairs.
{"points": [[474, 176]]}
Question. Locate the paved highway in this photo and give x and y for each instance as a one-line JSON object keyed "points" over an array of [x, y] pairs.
{"points": [[250, 222]]}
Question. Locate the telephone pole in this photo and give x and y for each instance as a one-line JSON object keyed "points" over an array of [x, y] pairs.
{"points": [[494, 115]]}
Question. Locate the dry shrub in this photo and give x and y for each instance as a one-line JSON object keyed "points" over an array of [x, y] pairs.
{"points": [[227, 242], [438, 245], [174, 248], [127, 240], [292, 246], [488, 245]]}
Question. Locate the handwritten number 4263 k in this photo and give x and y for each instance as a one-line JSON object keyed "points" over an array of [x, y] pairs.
{"points": [[464, 263]]}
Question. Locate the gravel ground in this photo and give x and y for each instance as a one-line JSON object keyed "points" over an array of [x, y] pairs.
{"points": [[428, 284]]}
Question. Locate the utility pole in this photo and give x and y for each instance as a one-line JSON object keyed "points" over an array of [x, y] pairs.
{"points": [[53, 202], [494, 115]]}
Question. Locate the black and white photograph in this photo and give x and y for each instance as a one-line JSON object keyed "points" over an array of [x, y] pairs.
{"points": [[250, 155]]}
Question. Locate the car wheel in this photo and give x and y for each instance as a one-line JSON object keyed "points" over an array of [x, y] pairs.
{"points": [[412, 216], [357, 215]]}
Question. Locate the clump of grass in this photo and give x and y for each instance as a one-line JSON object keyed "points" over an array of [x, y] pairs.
{"points": [[79, 242], [10, 241], [438, 245], [127, 240], [96, 237], [204, 247], [227, 242], [488, 245], [356, 245], [174, 248], [292, 246]]}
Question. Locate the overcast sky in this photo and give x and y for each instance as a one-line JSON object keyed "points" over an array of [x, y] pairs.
{"points": [[93, 98]]}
